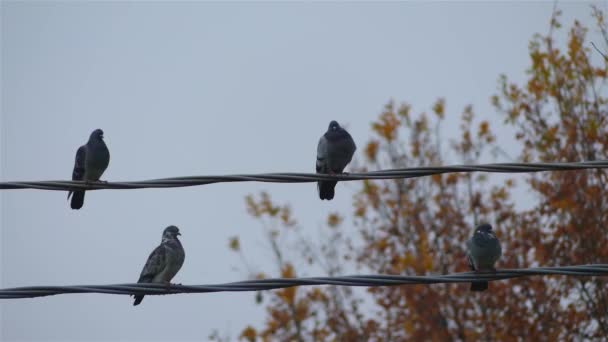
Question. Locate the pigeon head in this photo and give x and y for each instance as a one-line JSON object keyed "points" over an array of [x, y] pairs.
{"points": [[485, 228], [334, 126], [97, 134], [171, 232], [484, 232]]}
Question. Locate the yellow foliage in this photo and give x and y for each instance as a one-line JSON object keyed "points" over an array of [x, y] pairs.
{"points": [[360, 211], [404, 111], [452, 178], [381, 244], [286, 217], [334, 220], [317, 295], [288, 294], [288, 271], [234, 244], [439, 108], [387, 126], [252, 206], [371, 150], [260, 275], [484, 129], [249, 334], [302, 311]]}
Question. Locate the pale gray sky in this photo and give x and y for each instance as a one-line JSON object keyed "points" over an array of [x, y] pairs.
{"points": [[208, 88]]}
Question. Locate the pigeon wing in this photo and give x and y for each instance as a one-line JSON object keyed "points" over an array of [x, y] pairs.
{"points": [[471, 263], [469, 256], [78, 172], [343, 151], [321, 165], [155, 264]]}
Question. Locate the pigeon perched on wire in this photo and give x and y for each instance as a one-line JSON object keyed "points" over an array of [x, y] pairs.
{"points": [[483, 250], [164, 262], [92, 159], [335, 150]]}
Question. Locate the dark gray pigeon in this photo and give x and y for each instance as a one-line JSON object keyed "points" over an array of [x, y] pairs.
{"points": [[483, 250], [164, 262], [92, 159], [335, 150]]}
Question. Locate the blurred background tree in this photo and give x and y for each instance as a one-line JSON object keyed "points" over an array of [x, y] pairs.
{"points": [[419, 226]]}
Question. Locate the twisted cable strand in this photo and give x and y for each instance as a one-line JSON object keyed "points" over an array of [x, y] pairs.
{"points": [[292, 177], [278, 283]]}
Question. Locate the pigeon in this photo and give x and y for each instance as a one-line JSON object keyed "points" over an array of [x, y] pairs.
{"points": [[164, 262], [92, 159], [483, 250], [335, 150]]}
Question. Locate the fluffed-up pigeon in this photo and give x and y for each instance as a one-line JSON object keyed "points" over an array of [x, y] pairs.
{"points": [[92, 159], [164, 262], [335, 150], [483, 250]]}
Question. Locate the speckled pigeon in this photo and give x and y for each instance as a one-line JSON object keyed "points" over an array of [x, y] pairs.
{"points": [[483, 250], [335, 150], [164, 262], [92, 159]]}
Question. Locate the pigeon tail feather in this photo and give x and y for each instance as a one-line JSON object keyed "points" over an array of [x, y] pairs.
{"points": [[138, 299], [326, 190], [479, 286], [77, 199]]}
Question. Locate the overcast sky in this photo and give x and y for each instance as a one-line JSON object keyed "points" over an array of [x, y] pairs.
{"points": [[209, 88]]}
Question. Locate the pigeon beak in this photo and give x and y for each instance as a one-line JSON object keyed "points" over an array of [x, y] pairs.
{"points": [[178, 234]]}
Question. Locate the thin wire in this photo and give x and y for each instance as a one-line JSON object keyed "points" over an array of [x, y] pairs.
{"points": [[64, 185], [278, 283]]}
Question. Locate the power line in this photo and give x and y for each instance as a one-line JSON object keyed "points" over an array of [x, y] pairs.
{"points": [[278, 283], [412, 172]]}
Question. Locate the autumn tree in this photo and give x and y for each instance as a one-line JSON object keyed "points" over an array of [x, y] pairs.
{"points": [[419, 226]]}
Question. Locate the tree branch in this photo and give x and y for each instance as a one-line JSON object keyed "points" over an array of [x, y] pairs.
{"points": [[600, 52]]}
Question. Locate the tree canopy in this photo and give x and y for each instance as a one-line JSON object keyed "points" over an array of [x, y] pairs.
{"points": [[419, 226]]}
